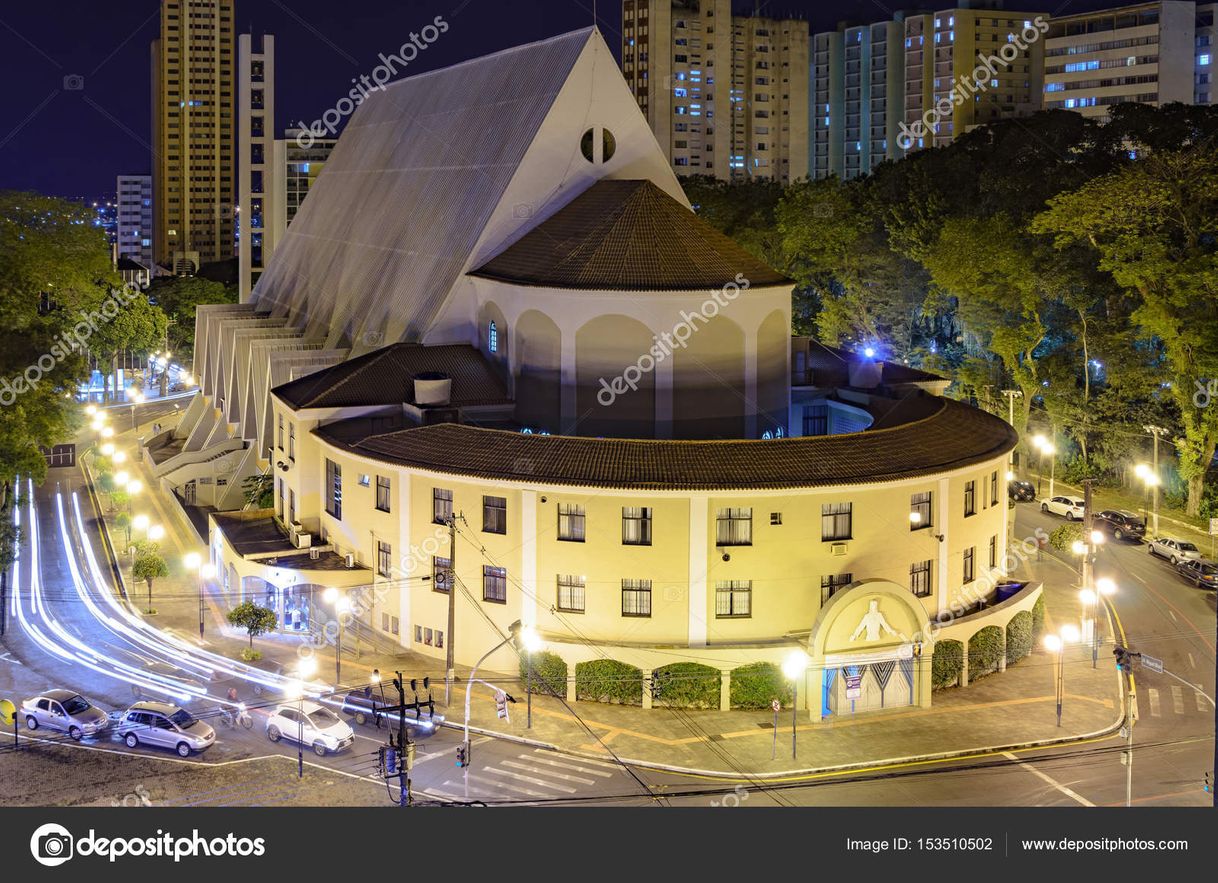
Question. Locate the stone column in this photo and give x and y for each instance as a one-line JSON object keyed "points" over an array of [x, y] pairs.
{"points": [[647, 687], [725, 690]]}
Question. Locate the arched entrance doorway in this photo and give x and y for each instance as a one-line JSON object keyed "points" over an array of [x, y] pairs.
{"points": [[870, 651], [295, 606]]}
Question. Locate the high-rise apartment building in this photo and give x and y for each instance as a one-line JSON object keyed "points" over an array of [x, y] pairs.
{"points": [[255, 154], [1149, 53], [193, 124], [299, 159], [725, 96], [134, 212]]}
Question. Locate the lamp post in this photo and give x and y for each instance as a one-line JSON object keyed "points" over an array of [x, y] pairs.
{"points": [[1044, 448], [1150, 481], [513, 635], [205, 570], [341, 606], [304, 670], [793, 667], [135, 397], [1068, 634], [531, 641]]}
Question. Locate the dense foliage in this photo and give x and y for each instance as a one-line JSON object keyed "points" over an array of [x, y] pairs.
{"points": [[1019, 636], [946, 664], [984, 652], [686, 685], [549, 673], [607, 680], [757, 684]]}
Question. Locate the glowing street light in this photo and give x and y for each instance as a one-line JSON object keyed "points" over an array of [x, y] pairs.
{"points": [[119, 457], [121, 478], [134, 486], [531, 642], [107, 450], [156, 533], [793, 668], [107, 432], [1068, 634]]}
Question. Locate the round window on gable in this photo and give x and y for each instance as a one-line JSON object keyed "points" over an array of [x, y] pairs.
{"points": [[588, 141], [585, 145], [608, 145]]}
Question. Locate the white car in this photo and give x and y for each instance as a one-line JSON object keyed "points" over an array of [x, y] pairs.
{"points": [[310, 724], [1069, 507], [1174, 550]]}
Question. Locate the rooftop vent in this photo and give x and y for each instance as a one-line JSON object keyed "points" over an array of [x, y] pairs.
{"points": [[432, 389]]}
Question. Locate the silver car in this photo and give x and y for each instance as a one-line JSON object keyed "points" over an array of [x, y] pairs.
{"points": [[165, 726], [1174, 550], [64, 710]]}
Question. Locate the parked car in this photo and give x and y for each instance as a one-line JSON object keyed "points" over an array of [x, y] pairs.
{"points": [[361, 705], [64, 710], [310, 724], [1021, 491], [1071, 508], [1120, 524], [165, 726], [1174, 550], [1201, 573]]}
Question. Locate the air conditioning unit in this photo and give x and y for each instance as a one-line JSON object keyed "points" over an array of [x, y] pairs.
{"points": [[838, 549], [302, 540], [314, 554], [297, 527], [350, 560]]}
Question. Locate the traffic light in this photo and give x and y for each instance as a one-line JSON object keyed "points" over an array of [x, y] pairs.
{"points": [[463, 754], [501, 708], [1126, 659], [389, 761]]}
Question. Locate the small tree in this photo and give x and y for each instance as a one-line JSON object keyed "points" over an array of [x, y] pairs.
{"points": [[149, 566], [259, 491], [254, 619], [1064, 537], [105, 484], [123, 520], [119, 500]]}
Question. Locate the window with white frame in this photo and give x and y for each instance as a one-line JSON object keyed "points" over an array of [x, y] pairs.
{"points": [[384, 559], [441, 574], [636, 597], [571, 522], [570, 593], [836, 521], [494, 584], [733, 598], [636, 525], [382, 493], [334, 487], [441, 505], [920, 578], [494, 514], [734, 527]]}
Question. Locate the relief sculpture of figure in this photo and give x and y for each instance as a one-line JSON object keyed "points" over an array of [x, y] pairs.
{"points": [[874, 622]]}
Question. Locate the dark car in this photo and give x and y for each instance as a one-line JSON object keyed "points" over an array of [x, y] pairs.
{"points": [[1202, 574], [1021, 490], [1120, 524], [364, 706]]}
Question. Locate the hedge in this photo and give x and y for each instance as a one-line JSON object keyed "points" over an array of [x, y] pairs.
{"points": [[686, 685], [984, 651], [607, 680], [549, 673], [1038, 619], [946, 664], [1019, 636], [758, 684]]}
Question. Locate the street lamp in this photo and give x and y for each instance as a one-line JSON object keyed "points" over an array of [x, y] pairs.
{"points": [[512, 637], [793, 667], [341, 606], [1044, 447], [531, 641], [118, 457], [375, 677], [205, 570], [156, 533], [1150, 480], [304, 670], [1068, 634]]}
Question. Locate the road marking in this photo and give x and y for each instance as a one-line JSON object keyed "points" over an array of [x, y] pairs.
{"points": [[1192, 663], [1154, 701], [1177, 699], [530, 779], [1073, 795], [566, 777], [5, 657], [569, 766], [1172, 614], [609, 766], [497, 786]]}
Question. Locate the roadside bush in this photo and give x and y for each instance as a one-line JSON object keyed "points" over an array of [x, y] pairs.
{"points": [[250, 655], [607, 680], [1063, 537], [549, 674], [757, 684], [1019, 636], [946, 664], [984, 651], [686, 685], [1038, 619]]}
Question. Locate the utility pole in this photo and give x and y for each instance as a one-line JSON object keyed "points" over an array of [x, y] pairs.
{"points": [[1155, 431], [1127, 660], [399, 758], [450, 672]]}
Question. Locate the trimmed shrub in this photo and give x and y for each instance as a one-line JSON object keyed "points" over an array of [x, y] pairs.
{"points": [[946, 664], [1038, 619], [607, 680], [1064, 537], [984, 651], [1019, 636], [686, 685], [758, 684], [549, 674]]}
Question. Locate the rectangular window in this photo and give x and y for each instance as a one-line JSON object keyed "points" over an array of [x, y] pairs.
{"points": [[279, 498], [384, 559], [970, 568], [334, 483], [733, 598], [394, 624], [494, 584], [993, 552], [439, 638], [636, 597], [280, 445], [994, 488], [441, 505], [734, 527], [570, 593], [292, 441], [919, 511], [836, 521], [382, 493], [364, 480], [427, 633], [418, 634], [441, 574], [571, 522], [831, 584], [494, 514], [291, 506], [636, 525], [970, 498], [384, 622], [919, 578], [775, 518]]}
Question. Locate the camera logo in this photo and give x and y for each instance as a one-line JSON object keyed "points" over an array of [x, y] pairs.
{"points": [[73, 83], [51, 845]]}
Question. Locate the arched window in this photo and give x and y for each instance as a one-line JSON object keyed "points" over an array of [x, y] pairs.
{"points": [[492, 337]]}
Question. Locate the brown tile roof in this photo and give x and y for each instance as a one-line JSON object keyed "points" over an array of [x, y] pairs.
{"points": [[626, 235], [943, 434], [384, 377]]}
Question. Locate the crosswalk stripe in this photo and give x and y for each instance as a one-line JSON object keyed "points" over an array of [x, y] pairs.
{"points": [[1177, 699], [567, 766], [566, 777], [500, 789], [608, 766], [540, 782], [1154, 701]]}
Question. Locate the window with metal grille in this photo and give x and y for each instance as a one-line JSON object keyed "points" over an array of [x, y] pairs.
{"points": [[494, 584], [832, 583], [494, 514], [334, 481], [994, 551], [492, 337], [970, 498], [441, 505], [382, 493], [919, 578], [636, 597], [994, 488], [734, 527], [970, 570], [291, 441], [816, 419], [291, 506], [733, 598], [836, 521], [919, 511], [571, 522], [280, 434], [384, 559], [441, 574], [570, 593], [636, 525]]}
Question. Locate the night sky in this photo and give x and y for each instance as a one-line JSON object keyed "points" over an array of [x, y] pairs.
{"points": [[74, 142]]}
